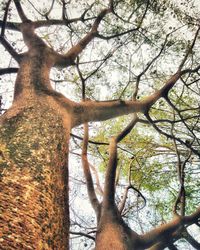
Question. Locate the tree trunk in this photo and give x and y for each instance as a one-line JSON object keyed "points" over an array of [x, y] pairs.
{"points": [[33, 172], [113, 233]]}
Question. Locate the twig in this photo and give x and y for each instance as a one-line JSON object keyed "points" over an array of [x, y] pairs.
{"points": [[3, 26]]}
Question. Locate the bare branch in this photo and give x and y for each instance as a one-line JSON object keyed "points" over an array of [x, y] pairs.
{"points": [[167, 241], [109, 187], [101, 111], [181, 198], [190, 239], [80, 46], [130, 186], [20, 11], [123, 201], [181, 117], [46, 23], [82, 79], [100, 143], [10, 25], [147, 67], [86, 167], [166, 230], [50, 9], [93, 111], [4, 71], [196, 152], [189, 51], [181, 177], [122, 205], [127, 31], [5, 18], [98, 111], [89, 182], [128, 129], [83, 234], [97, 179], [116, 35]]}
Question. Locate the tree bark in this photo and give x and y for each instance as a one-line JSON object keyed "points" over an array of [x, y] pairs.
{"points": [[33, 172], [113, 233]]}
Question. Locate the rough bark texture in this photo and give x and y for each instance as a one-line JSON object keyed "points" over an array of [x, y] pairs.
{"points": [[33, 168]]}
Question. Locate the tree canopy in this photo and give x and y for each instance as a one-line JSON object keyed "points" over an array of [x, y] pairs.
{"points": [[138, 58]]}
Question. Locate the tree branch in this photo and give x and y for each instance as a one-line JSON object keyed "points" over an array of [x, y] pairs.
{"points": [[190, 239], [20, 11], [196, 152], [123, 201], [189, 51], [149, 64], [166, 230], [116, 35], [83, 234], [100, 143], [80, 46], [3, 26], [93, 111], [10, 25], [50, 9], [45, 23], [166, 243], [128, 129], [122, 205], [127, 31], [99, 111], [109, 186], [86, 168], [4, 71], [97, 179]]}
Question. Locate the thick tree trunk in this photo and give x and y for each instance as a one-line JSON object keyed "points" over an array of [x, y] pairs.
{"points": [[113, 236], [33, 179]]}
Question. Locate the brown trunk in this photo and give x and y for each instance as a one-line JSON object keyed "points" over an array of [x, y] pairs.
{"points": [[113, 233], [112, 236], [33, 171]]}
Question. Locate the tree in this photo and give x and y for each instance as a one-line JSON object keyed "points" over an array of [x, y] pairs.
{"points": [[35, 130]]}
